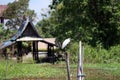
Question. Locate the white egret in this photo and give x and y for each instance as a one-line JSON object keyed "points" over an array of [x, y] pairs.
{"points": [[65, 43]]}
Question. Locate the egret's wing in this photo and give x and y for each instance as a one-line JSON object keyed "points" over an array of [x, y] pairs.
{"points": [[65, 43]]}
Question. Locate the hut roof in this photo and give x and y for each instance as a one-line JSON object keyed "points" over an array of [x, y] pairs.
{"points": [[42, 45], [26, 32], [6, 44], [27, 29]]}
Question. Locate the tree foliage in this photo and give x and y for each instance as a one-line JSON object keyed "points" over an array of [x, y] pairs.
{"points": [[16, 11], [5, 34], [105, 13], [46, 28], [92, 21]]}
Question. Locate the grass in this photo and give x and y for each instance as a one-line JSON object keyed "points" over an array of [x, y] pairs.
{"points": [[17, 70], [58, 71], [112, 69], [101, 71]]}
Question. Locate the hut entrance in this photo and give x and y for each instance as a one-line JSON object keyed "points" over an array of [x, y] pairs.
{"points": [[34, 50]]}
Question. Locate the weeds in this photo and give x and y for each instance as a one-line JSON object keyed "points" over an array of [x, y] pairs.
{"points": [[95, 54], [57, 71]]}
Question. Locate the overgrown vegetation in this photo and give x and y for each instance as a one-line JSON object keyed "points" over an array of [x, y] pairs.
{"points": [[93, 22], [10, 69], [5, 34], [13, 71], [17, 12], [95, 54], [96, 23]]}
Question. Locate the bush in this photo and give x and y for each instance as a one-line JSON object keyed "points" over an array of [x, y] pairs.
{"points": [[114, 54], [95, 54], [73, 50]]}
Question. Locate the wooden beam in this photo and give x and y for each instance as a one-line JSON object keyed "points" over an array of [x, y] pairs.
{"points": [[1, 20], [53, 56], [49, 50], [35, 51], [5, 53], [19, 49]]}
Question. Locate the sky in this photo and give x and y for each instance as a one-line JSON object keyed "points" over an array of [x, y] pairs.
{"points": [[40, 6]]}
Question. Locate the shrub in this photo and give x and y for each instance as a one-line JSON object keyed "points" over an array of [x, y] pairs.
{"points": [[95, 54], [114, 54], [73, 50]]}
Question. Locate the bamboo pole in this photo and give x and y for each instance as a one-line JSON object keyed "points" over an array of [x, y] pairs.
{"points": [[67, 65], [80, 62]]}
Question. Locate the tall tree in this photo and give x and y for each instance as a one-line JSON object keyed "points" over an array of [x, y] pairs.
{"points": [[47, 25], [16, 11], [93, 21], [105, 14], [71, 17], [5, 33]]}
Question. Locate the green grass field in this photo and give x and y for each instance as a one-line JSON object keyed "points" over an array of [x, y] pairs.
{"points": [[12, 70]]}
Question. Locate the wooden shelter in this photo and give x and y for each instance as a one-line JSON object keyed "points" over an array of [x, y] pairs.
{"points": [[27, 32]]}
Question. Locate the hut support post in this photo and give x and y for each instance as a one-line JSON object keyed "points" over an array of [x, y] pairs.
{"points": [[19, 54], [49, 51], [1, 20], [50, 54], [35, 51], [53, 56], [5, 53]]}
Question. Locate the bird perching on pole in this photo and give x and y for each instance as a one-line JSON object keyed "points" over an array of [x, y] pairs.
{"points": [[64, 45]]}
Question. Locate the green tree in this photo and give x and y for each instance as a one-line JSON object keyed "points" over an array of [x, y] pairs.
{"points": [[72, 20], [16, 11], [105, 15], [47, 26], [5, 34], [92, 21]]}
